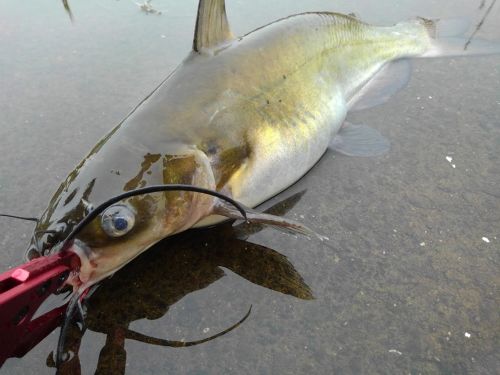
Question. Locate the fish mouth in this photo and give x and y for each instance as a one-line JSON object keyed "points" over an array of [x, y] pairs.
{"points": [[81, 278], [96, 265]]}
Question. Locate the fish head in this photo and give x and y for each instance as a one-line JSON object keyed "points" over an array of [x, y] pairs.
{"points": [[128, 227]]}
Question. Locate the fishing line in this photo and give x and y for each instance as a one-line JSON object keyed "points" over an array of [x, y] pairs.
{"points": [[73, 304], [21, 217], [481, 23], [147, 190]]}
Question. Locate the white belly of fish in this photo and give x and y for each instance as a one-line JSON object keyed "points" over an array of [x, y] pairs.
{"points": [[280, 156]]}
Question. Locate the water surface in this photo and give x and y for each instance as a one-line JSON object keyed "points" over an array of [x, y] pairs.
{"points": [[406, 285]]}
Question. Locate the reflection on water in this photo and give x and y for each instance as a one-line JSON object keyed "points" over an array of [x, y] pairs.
{"points": [[408, 274], [173, 269]]}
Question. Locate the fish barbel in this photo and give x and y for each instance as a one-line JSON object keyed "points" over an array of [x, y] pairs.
{"points": [[246, 117]]}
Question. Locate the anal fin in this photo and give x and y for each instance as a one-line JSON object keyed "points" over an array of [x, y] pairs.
{"points": [[359, 140]]}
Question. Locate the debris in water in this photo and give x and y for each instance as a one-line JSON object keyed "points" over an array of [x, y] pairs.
{"points": [[395, 351], [68, 9], [147, 7], [450, 159], [486, 239]]}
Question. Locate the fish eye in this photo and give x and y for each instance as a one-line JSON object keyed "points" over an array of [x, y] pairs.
{"points": [[117, 220]]}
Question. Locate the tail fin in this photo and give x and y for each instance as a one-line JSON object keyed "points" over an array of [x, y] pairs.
{"points": [[448, 39]]}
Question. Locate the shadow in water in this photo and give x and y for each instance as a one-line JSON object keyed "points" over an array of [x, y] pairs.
{"points": [[174, 268]]}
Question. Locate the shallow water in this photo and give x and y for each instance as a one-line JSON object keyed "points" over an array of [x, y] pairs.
{"points": [[405, 286]]}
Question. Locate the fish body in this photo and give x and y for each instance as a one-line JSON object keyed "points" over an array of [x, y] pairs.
{"points": [[245, 116], [263, 109]]}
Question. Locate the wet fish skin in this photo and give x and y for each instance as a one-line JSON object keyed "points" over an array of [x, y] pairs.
{"points": [[248, 117], [291, 105]]}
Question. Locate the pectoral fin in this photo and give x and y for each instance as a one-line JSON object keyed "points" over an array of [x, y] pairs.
{"points": [[278, 222], [359, 140], [212, 27]]}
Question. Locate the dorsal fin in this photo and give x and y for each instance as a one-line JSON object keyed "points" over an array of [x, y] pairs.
{"points": [[212, 27]]}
